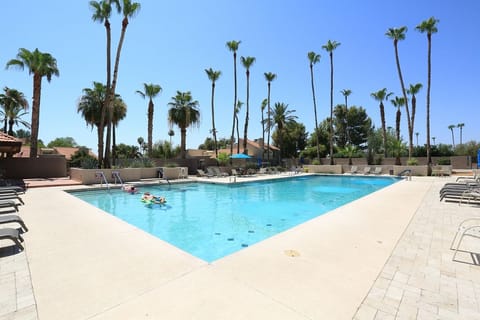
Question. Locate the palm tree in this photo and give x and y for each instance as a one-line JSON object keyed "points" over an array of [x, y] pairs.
{"points": [[40, 65], [237, 111], [262, 109], [13, 102], [91, 105], [428, 26], [213, 76], [314, 58], [330, 46], [380, 96], [451, 127], [183, 113], [346, 93], [281, 116], [247, 63], [397, 34], [398, 102], [141, 143], [460, 126], [433, 138], [233, 46], [102, 11], [417, 134], [413, 90], [129, 10], [269, 76], [151, 91]]}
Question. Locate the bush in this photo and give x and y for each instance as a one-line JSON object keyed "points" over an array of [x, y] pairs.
{"points": [[315, 161], [412, 162], [443, 161]]}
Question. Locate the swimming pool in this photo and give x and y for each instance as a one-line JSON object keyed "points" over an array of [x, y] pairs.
{"points": [[211, 221]]}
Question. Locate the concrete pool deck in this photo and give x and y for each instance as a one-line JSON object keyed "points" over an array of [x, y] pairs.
{"points": [[385, 256]]}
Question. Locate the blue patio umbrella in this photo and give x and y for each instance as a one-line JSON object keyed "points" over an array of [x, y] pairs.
{"points": [[240, 156]]}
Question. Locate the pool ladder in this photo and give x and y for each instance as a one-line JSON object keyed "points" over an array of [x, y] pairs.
{"points": [[116, 177], [101, 176]]}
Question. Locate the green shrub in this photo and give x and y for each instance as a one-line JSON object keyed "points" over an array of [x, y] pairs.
{"points": [[315, 161], [412, 162], [443, 161]]}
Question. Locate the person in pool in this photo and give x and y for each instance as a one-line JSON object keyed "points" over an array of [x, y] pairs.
{"points": [[147, 196]]}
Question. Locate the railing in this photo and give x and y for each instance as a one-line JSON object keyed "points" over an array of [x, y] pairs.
{"points": [[407, 173], [161, 175], [116, 177], [101, 176]]}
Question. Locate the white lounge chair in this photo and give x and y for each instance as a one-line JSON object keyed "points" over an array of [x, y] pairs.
{"points": [[353, 169], [367, 170], [467, 228], [378, 170]]}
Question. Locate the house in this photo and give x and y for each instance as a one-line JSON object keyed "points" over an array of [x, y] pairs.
{"points": [[9, 145]]}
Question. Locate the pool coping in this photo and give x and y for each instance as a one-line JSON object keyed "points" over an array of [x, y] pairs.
{"points": [[66, 252]]}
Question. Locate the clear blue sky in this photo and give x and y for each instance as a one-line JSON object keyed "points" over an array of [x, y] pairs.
{"points": [[171, 43]]}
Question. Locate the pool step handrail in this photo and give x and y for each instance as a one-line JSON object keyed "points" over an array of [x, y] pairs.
{"points": [[407, 173], [116, 177], [101, 176], [161, 176]]}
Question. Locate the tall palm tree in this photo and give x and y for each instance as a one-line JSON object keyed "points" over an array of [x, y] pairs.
{"points": [[233, 47], [346, 93], [398, 34], [213, 76], [237, 111], [247, 63], [102, 11], [184, 113], [413, 90], [269, 76], [171, 133], [150, 91], [451, 127], [129, 10], [281, 116], [429, 27], [417, 134], [382, 95], [314, 58], [460, 126], [13, 102], [262, 109], [398, 102], [330, 46], [40, 65]]}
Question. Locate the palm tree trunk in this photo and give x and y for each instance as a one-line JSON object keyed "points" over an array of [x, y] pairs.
{"points": [[214, 131], [397, 124], [238, 134], [429, 73], [150, 127], [407, 110], [331, 109], [268, 125], [37, 90], [263, 137], [234, 102], [183, 139], [384, 128], [245, 131], [315, 111], [107, 95]]}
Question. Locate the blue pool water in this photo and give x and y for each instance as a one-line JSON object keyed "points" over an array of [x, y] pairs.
{"points": [[211, 221]]}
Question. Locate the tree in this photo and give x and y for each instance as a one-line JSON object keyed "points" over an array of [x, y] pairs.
{"points": [[460, 126], [398, 34], [269, 76], [150, 91], [294, 139], [413, 90], [40, 65], [360, 126], [102, 11], [233, 47], [314, 58], [380, 96], [129, 9], [213, 76], [346, 93], [247, 63], [417, 134], [171, 133], [14, 106], [281, 116], [141, 143], [63, 142], [330, 46], [262, 109], [119, 113], [429, 27], [398, 102], [184, 113], [237, 111], [451, 127]]}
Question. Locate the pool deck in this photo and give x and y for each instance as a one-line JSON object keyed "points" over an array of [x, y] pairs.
{"points": [[384, 256]]}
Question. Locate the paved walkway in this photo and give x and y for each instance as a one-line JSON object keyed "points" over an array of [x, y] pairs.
{"points": [[418, 281]]}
